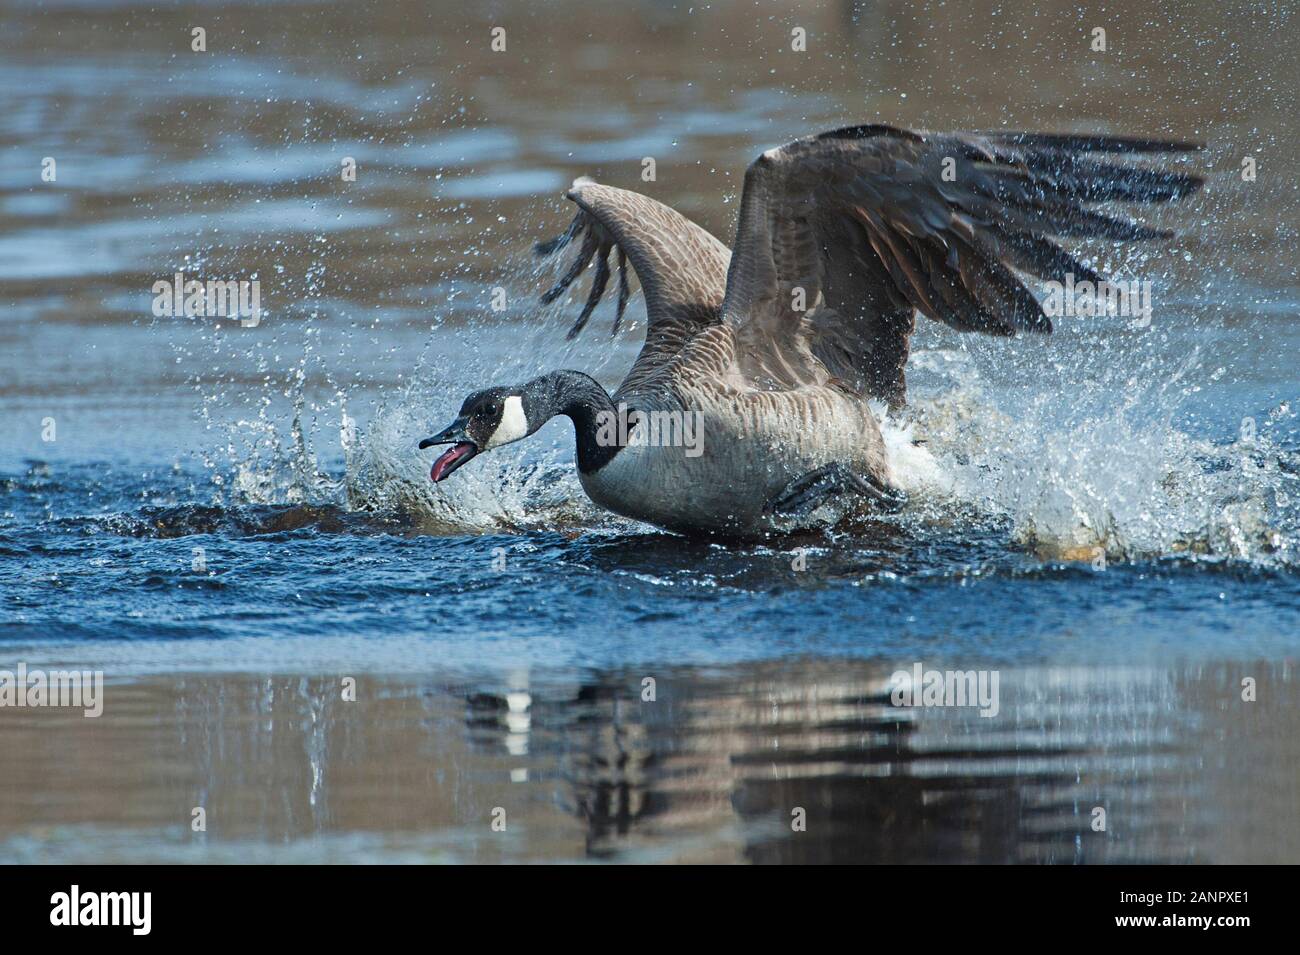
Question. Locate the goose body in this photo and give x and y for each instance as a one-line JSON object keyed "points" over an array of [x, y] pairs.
{"points": [[749, 403], [771, 439]]}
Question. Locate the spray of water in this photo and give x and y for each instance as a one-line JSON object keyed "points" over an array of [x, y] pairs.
{"points": [[1100, 472]]}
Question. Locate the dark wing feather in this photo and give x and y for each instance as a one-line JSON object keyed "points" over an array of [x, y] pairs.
{"points": [[681, 267], [866, 225]]}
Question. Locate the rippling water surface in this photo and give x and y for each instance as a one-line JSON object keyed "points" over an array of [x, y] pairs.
{"points": [[230, 521]]}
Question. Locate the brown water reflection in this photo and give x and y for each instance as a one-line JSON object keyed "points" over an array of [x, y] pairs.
{"points": [[234, 155], [711, 770]]}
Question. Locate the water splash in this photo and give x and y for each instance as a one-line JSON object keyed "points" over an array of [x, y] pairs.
{"points": [[1082, 476]]}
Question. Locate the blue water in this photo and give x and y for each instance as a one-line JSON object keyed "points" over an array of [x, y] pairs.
{"points": [[105, 554]]}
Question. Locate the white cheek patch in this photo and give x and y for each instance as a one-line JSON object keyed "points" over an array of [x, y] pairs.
{"points": [[513, 426]]}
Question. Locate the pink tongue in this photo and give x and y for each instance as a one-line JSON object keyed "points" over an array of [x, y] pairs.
{"points": [[448, 458]]}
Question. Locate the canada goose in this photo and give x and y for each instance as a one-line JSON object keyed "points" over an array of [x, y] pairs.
{"points": [[760, 362]]}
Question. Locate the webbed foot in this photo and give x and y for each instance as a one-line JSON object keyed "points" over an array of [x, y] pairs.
{"points": [[805, 494]]}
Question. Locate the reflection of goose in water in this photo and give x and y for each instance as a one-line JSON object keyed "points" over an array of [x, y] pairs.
{"points": [[713, 769], [774, 351]]}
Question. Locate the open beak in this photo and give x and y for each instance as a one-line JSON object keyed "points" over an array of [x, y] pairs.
{"points": [[461, 450]]}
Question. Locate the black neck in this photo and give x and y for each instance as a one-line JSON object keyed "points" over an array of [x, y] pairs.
{"points": [[581, 399]]}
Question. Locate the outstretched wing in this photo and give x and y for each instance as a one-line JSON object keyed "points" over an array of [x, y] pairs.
{"points": [[681, 267], [844, 235]]}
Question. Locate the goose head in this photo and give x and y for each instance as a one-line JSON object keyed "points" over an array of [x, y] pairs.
{"points": [[487, 419]]}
